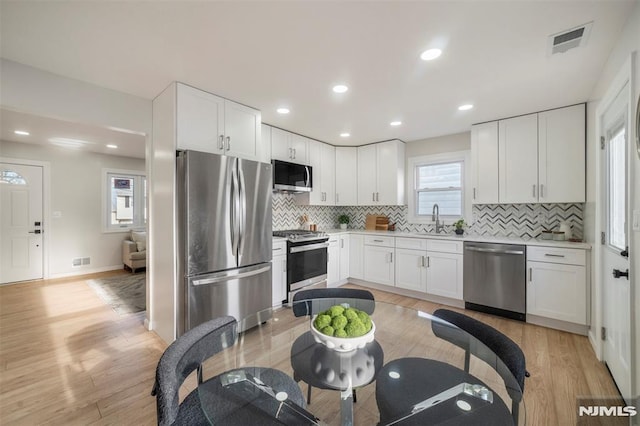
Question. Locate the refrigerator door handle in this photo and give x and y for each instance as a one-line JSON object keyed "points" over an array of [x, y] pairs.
{"points": [[235, 209], [225, 276], [242, 211]]}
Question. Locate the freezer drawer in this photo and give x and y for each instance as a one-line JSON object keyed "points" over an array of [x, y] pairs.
{"points": [[243, 293]]}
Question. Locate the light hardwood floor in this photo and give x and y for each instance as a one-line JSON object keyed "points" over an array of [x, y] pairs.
{"points": [[67, 358]]}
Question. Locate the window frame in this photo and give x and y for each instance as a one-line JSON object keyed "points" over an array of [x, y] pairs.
{"points": [[463, 157], [139, 222]]}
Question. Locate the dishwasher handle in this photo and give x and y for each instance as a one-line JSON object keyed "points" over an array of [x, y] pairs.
{"points": [[489, 250]]}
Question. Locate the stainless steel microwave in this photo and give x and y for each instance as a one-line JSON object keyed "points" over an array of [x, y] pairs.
{"points": [[291, 177]]}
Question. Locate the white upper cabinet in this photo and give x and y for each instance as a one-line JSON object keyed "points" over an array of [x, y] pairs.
{"points": [[322, 160], [518, 159], [209, 123], [561, 149], [540, 158], [346, 176], [484, 160], [287, 146], [265, 144], [381, 174]]}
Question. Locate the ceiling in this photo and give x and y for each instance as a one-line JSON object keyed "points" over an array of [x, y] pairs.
{"points": [[271, 54], [68, 135]]}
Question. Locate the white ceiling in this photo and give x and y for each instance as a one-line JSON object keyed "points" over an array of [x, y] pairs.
{"points": [[269, 54]]}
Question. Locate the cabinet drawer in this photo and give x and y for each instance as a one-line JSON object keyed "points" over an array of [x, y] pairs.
{"points": [[279, 247], [370, 240], [411, 243], [333, 241], [557, 255], [445, 246]]}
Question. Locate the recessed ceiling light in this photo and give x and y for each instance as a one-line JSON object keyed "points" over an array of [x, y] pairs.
{"points": [[283, 110], [111, 146], [340, 88], [21, 132], [395, 123], [430, 54], [345, 135], [465, 107]]}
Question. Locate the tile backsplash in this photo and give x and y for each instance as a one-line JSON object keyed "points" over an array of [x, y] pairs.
{"points": [[505, 220]]}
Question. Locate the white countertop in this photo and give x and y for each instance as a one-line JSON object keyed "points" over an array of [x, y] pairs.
{"points": [[465, 237]]}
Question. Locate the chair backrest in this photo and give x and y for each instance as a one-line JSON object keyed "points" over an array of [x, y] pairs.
{"points": [[511, 363], [314, 301], [185, 355]]}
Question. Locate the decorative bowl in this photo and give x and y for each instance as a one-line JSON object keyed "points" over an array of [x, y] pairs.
{"points": [[343, 344]]}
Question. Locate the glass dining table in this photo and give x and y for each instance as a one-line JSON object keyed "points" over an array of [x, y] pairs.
{"points": [[411, 373]]}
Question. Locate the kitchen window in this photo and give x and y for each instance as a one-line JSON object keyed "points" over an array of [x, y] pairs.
{"points": [[125, 200], [438, 179]]}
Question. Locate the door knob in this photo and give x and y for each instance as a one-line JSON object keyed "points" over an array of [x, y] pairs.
{"points": [[618, 273], [625, 252]]}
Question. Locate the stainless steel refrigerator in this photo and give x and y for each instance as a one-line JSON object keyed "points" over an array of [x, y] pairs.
{"points": [[224, 239]]}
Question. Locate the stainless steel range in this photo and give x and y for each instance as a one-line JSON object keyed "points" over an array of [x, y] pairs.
{"points": [[307, 253]]}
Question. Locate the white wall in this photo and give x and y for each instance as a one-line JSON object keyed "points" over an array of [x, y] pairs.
{"points": [[439, 145], [76, 192], [629, 42]]}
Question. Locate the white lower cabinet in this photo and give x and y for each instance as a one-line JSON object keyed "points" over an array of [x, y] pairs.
{"points": [[444, 274], [333, 261], [557, 290], [356, 256], [344, 257], [378, 260], [279, 273], [411, 271]]}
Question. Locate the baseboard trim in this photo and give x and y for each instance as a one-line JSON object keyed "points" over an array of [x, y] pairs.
{"points": [[409, 293], [558, 325], [83, 271]]}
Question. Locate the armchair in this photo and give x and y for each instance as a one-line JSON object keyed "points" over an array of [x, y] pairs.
{"points": [[134, 251]]}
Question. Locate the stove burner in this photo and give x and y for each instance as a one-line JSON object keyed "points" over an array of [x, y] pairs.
{"points": [[300, 234]]}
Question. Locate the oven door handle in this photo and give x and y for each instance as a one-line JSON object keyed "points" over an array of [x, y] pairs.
{"points": [[308, 247]]}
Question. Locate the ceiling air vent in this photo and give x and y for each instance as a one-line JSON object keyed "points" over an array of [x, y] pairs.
{"points": [[575, 37]]}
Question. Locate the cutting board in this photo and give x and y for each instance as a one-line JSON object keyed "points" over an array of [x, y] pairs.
{"points": [[376, 222]]}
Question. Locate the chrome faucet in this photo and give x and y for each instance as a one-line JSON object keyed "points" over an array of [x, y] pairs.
{"points": [[435, 216]]}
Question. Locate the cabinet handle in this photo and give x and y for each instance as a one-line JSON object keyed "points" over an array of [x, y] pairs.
{"points": [[554, 255], [277, 248], [221, 143], [541, 190], [474, 193], [422, 261], [390, 257], [294, 153], [534, 190], [341, 243], [530, 274], [291, 153], [373, 196], [377, 196], [378, 241], [284, 265], [228, 143], [337, 197], [428, 262]]}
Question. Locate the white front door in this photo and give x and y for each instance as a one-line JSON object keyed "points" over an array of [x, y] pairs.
{"points": [[21, 223], [615, 257]]}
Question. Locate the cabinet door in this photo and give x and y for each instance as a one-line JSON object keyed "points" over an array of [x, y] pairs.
{"points": [[316, 196], [518, 159], [333, 262], [444, 274], [367, 165], [557, 291], [242, 130], [484, 160], [200, 120], [279, 280], [299, 146], [344, 257], [346, 176], [390, 173], [378, 265], [356, 256], [280, 149], [328, 175], [411, 271], [561, 164], [265, 144]]}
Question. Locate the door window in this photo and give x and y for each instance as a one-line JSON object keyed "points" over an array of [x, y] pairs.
{"points": [[617, 189]]}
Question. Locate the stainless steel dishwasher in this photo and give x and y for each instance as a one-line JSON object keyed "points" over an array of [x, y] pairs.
{"points": [[495, 279]]}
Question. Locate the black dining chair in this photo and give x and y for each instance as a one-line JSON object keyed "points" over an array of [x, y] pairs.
{"points": [[186, 354], [312, 302], [510, 365]]}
